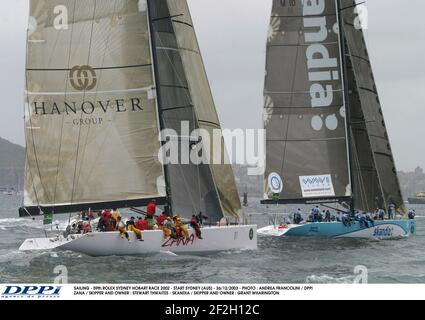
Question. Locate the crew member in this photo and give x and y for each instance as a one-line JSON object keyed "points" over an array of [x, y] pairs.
{"points": [[142, 224], [161, 221], [181, 228], [194, 223], [131, 226], [122, 229], [412, 214], [328, 216]]}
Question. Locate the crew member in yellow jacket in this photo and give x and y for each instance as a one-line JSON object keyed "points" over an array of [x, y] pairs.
{"points": [[181, 227], [131, 226], [122, 229]]}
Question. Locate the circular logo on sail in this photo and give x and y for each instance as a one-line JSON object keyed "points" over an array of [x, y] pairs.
{"points": [[251, 234], [275, 182], [83, 78]]}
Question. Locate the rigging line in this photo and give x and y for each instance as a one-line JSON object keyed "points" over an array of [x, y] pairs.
{"points": [[99, 80], [34, 147], [98, 68], [79, 131], [28, 166], [352, 6], [167, 17], [63, 116], [290, 103]]}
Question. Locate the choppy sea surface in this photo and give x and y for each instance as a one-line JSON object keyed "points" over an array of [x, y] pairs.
{"points": [[278, 260]]}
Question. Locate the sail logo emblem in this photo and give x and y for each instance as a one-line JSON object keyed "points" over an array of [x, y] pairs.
{"points": [[275, 183], [83, 78], [317, 186]]}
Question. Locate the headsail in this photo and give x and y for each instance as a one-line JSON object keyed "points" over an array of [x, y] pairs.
{"points": [[383, 181], [304, 111], [91, 117], [184, 95]]}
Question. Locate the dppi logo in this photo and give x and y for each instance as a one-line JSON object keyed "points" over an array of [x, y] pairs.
{"points": [[83, 78], [31, 291]]}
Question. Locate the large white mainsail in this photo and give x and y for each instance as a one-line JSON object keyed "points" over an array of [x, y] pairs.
{"points": [[91, 117]]}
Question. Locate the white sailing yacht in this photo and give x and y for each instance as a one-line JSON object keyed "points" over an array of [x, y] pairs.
{"points": [[103, 77], [326, 136]]}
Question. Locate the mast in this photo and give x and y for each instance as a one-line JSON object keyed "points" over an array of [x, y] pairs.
{"points": [[346, 102], [158, 96]]}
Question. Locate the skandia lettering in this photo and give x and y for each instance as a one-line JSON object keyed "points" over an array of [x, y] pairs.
{"points": [[322, 69], [41, 108], [383, 232]]}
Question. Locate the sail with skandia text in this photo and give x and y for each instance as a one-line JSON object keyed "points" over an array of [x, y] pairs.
{"points": [[91, 118], [304, 105]]}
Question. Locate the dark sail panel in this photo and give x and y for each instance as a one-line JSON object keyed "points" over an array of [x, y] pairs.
{"points": [[204, 105], [371, 108], [304, 112], [184, 96], [366, 184]]}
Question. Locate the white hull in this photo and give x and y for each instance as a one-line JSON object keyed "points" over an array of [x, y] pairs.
{"points": [[110, 243], [215, 239]]}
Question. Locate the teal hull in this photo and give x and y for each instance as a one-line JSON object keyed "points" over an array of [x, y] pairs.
{"points": [[380, 230]]}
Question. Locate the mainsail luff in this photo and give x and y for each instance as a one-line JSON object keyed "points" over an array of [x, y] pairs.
{"points": [[91, 120], [306, 136], [374, 122]]}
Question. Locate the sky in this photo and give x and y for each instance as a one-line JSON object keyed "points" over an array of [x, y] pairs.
{"points": [[232, 36]]}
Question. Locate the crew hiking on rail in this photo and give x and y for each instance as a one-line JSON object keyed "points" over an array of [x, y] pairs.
{"points": [[111, 220]]}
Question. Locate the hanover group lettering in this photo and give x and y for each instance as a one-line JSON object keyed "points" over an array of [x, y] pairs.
{"points": [[87, 107]]}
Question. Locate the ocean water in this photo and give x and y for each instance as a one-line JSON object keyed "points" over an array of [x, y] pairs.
{"points": [[278, 260]]}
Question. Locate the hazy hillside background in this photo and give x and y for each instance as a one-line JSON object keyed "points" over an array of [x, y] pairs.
{"points": [[12, 162]]}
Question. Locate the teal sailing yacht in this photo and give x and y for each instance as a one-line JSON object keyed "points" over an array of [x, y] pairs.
{"points": [[327, 142], [104, 80]]}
